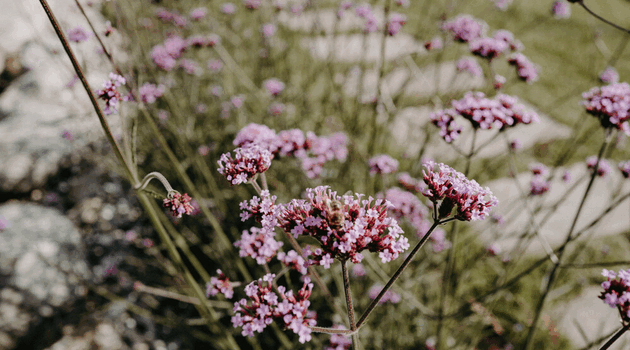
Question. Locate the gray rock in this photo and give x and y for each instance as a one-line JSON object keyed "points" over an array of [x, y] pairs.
{"points": [[43, 258]]}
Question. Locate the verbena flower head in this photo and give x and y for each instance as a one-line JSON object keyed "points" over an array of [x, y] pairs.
{"points": [[405, 205], [228, 8], [256, 134], [616, 292], [488, 48], [382, 164], [396, 21], [266, 306], [110, 93], [434, 44], [198, 13], [464, 28], [149, 93], [252, 4], [273, 86], [610, 104], [624, 167], [344, 226], [410, 183], [609, 76], [339, 341], [268, 30], [293, 260], [538, 186], [499, 80], [508, 38], [445, 120], [179, 204], [452, 189], [525, 69], [78, 34], [470, 65], [561, 9], [258, 244], [603, 169], [502, 4], [539, 169], [219, 284], [247, 163]]}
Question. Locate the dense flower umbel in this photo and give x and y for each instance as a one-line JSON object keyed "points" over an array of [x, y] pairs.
{"points": [[445, 120], [247, 162], [259, 245], [219, 284], [616, 292], [382, 164], [603, 169], [464, 28], [452, 188], [179, 204], [149, 93], [610, 104], [290, 311], [488, 48], [293, 260], [525, 69], [470, 65], [110, 93], [344, 226]]}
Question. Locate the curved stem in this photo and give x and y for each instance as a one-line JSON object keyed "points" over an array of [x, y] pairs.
{"points": [[615, 337], [397, 274], [581, 3], [154, 175]]}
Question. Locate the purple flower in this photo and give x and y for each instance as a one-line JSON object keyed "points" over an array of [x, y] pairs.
{"points": [[561, 10], [470, 65], [515, 145], [247, 163], [344, 226], [273, 86], [499, 80], [358, 270], [539, 169], [290, 142], [508, 38], [405, 205], [162, 58], [464, 28], [268, 30], [452, 188], [219, 284], [178, 204], [293, 260], [258, 245], [78, 34], [363, 10], [149, 93], [110, 93], [525, 69], [609, 76], [445, 120], [616, 293], [288, 309], [252, 4], [488, 48], [383, 164], [215, 65], [603, 169], [198, 13], [538, 186], [228, 8], [396, 21], [276, 108], [257, 134], [610, 104], [434, 44], [502, 4], [410, 183]]}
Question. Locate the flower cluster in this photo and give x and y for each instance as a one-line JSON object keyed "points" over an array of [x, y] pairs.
{"points": [[434, 44], [499, 80], [624, 167], [293, 260], [314, 151], [470, 65], [410, 183], [525, 69], [539, 184], [339, 341], [167, 54], [344, 226], [561, 10], [464, 28], [439, 242], [488, 48], [452, 188], [483, 113], [610, 104], [389, 296], [219, 284], [273, 86], [198, 13], [290, 311], [603, 169], [260, 245], [406, 205], [247, 163], [179, 204], [110, 93], [171, 17], [616, 292], [382, 164], [609, 76], [371, 22], [149, 93], [78, 34], [396, 21]]}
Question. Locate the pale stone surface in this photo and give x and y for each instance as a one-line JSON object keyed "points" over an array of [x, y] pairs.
{"points": [[324, 20]]}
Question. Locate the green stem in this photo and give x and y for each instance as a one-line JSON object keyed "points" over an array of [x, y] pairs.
{"points": [[346, 287]]}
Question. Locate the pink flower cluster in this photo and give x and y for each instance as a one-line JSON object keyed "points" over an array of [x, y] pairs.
{"points": [[483, 113], [452, 188], [165, 55], [371, 22], [464, 28], [219, 284], [624, 167], [171, 17], [389, 296], [470, 65], [314, 151], [603, 169], [293, 260], [78, 34], [410, 183], [110, 93], [198, 13], [616, 292], [488, 48], [439, 242], [525, 69], [406, 205], [149, 93], [382, 164], [273, 86], [610, 104], [179, 204], [539, 184], [395, 23], [434, 44], [609, 76], [290, 311], [344, 226], [247, 163], [252, 4], [259, 245], [339, 341], [561, 9]]}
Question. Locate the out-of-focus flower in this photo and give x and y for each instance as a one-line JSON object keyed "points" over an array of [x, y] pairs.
{"points": [[493, 249], [67, 135], [610, 104], [402, 3], [339, 341], [78, 34], [405, 205], [252, 4], [395, 23], [149, 93], [470, 65], [539, 169], [198, 13], [603, 169], [268, 30], [624, 167], [110, 93], [358, 270], [247, 163], [502, 4], [488, 48], [452, 189], [273, 86], [561, 9], [515, 144], [383, 164], [410, 183], [609, 76], [289, 310], [525, 69], [499, 80], [538, 186], [293, 260], [276, 108], [464, 28], [434, 44], [389, 296], [228, 8]]}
